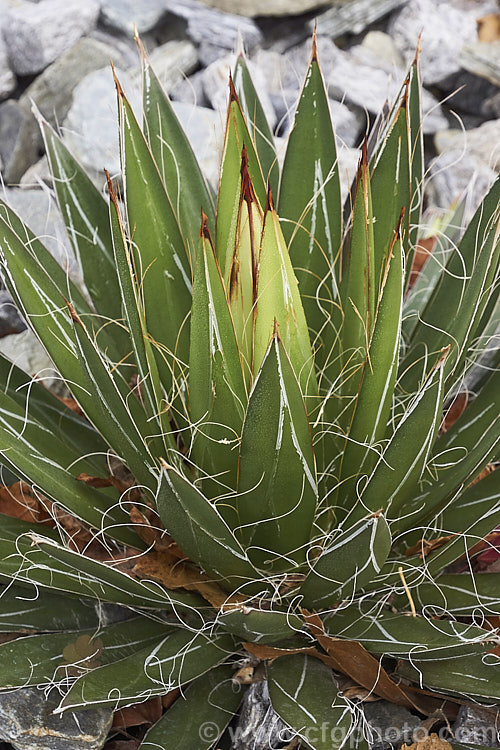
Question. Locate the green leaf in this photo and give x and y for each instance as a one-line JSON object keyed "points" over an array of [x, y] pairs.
{"points": [[279, 303], [39, 659], [162, 261], [304, 693], [175, 159], [134, 317], [470, 517], [373, 402], [176, 659], [200, 715], [216, 385], [447, 231], [390, 188], [260, 626], [310, 207], [460, 296], [113, 409], [471, 677], [257, 122], [460, 454], [350, 560], [14, 231], [459, 594], [40, 458], [392, 483], [53, 414], [85, 214], [237, 140], [29, 557], [22, 611], [416, 149], [406, 637], [48, 313], [201, 532], [277, 491]]}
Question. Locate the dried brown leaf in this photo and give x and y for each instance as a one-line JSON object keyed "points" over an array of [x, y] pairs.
{"points": [[455, 410], [148, 712], [432, 742], [488, 27], [19, 500], [422, 251]]}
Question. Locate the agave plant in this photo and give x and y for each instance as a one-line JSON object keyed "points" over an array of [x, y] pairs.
{"points": [[258, 458]]}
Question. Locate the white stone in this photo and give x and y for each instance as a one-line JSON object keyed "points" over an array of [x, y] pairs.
{"points": [[173, 61], [36, 34], [216, 85], [123, 14], [266, 7], [445, 29], [482, 143]]}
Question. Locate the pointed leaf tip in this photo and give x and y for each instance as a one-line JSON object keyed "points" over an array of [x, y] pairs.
{"points": [[247, 189], [205, 229], [233, 96], [314, 49], [119, 90], [269, 200]]}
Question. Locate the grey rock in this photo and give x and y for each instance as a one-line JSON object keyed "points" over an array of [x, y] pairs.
{"points": [[482, 59], [52, 90], [91, 126], [389, 725], [260, 727], [121, 48], [347, 122], [491, 106], [7, 77], [204, 129], [10, 320], [191, 90], [477, 726], [173, 61], [38, 210], [26, 352], [483, 142], [266, 7], [216, 88], [26, 720], [382, 45], [446, 28], [469, 95], [212, 28], [353, 17], [122, 14], [348, 165], [37, 174], [29, 36], [453, 172], [20, 140]]}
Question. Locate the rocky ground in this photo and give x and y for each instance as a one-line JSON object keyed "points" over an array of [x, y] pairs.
{"points": [[54, 58]]}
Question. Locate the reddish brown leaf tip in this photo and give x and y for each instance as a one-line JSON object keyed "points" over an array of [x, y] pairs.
{"points": [[233, 96], [418, 50], [204, 229], [364, 152], [119, 90], [276, 330], [73, 313], [314, 49], [269, 200], [247, 191], [111, 189]]}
